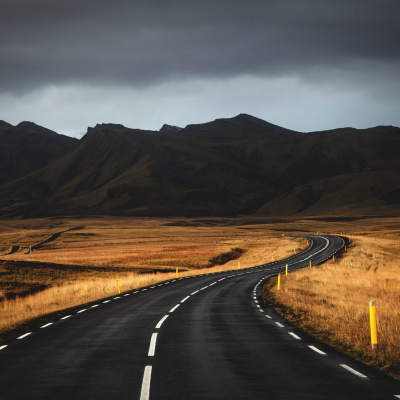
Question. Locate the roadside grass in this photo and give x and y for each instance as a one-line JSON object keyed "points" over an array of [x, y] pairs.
{"points": [[331, 301], [69, 285]]}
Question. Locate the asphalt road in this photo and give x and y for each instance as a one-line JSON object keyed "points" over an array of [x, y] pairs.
{"points": [[204, 337]]}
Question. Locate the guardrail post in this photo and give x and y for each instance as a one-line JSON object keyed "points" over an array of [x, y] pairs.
{"points": [[372, 319], [119, 291]]}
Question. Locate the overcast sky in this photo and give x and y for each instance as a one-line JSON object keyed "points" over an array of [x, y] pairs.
{"points": [[304, 65]]}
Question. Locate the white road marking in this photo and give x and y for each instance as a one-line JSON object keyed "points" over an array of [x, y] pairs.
{"points": [[279, 324], [194, 292], [185, 299], [353, 371], [81, 311], [174, 308], [145, 392], [96, 305], [258, 305], [138, 291], [158, 326], [143, 290], [65, 317], [26, 334], [317, 350], [152, 347], [396, 395], [3, 347], [107, 301], [222, 279], [294, 335], [128, 294], [213, 283], [116, 298], [45, 326], [152, 287]]}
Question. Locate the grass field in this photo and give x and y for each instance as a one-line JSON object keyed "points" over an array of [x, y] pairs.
{"points": [[81, 265], [331, 301]]}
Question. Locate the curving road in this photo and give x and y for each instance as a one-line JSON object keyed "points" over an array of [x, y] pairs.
{"points": [[203, 337]]}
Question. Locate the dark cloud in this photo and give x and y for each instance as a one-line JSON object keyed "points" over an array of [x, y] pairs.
{"points": [[138, 43]]}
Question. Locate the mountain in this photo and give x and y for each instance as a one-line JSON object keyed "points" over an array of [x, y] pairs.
{"points": [[28, 147], [170, 129], [227, 167]]}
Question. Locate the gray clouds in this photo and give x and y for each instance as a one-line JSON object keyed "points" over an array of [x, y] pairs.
{"points": [[145, 42], [302, 64]]}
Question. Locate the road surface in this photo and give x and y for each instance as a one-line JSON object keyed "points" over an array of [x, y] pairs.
{"points": [[204, 337]]}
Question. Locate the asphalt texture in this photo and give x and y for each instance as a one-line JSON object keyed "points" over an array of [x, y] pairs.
{"points": [[218, 343]]}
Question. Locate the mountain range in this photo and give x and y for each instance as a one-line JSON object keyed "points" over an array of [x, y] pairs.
{"points": [[227, 167]]}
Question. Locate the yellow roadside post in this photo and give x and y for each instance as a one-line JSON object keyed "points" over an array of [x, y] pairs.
{"points": [[372, 319], [333, 258], [177, 273], [310, 263], [345, 248], [272, 258], [294, 251], [279, 281], [239, 265], [286, 269], [119, 291], [283, 234]]}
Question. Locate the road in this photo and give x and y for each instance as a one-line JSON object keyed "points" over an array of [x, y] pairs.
{"points": [[204, 337]]}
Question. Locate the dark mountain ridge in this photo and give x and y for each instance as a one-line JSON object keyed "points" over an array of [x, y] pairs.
{"points": [[227, 167], [27, 147]]}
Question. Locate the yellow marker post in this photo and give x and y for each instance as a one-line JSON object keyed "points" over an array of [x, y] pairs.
{"points": [[294, 251], [286, 269], [333, 258], [272, 258], [372, 319], [310, 263], [279, 282], [119, 291], [345, 248], [239, 265], [177, 272], [317, 233]]}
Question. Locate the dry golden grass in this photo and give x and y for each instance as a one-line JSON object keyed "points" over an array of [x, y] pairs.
{"points": [[332, 300], [78, 269]]}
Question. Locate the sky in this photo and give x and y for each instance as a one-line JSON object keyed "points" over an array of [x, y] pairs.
{"points": [[305, 65]]}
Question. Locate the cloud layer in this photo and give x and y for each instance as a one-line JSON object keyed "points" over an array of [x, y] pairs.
{"points": [[138, 46]]}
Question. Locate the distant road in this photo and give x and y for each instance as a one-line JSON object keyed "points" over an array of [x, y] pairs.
{"points": [[205, 337]]}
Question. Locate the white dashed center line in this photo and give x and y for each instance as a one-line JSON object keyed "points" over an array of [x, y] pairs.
{"points": [[174, 308], [23, 336], [294, 335], [185, 299], [353, 371], [3, 347], [145, 393], [96, 305], [107, 301], [128, 294], [115, 298], [279, 324], [45, 326], [317, 350], [158, 326], [194, 292], [81, 311], [152, 347], [65, 317]]}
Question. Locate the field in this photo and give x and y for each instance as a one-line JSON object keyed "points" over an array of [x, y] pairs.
{"points": [[77, 261], [82, 263], [331, 301]]}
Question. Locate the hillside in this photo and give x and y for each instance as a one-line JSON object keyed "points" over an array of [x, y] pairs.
{"points": [[28, 147], [240, 165]]}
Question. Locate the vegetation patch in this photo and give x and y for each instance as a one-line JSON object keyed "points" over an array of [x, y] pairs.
{"points": [[223, 258]]}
